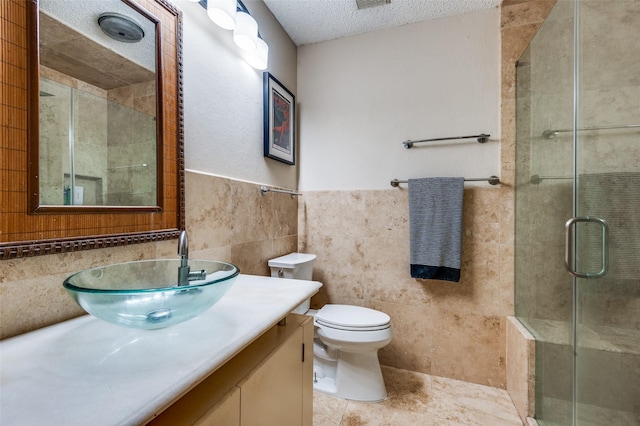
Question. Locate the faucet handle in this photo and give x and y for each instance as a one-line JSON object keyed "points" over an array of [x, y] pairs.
{"points": [[197, 275]]}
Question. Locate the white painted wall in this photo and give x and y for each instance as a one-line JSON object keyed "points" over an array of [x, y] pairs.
{"points": [[223, 112], [360, 97]]}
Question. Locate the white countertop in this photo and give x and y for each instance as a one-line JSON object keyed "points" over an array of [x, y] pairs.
{"points": [[87, 371]]}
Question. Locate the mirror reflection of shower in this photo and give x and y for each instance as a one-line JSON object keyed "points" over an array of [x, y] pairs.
{"points": [[94, 151]]}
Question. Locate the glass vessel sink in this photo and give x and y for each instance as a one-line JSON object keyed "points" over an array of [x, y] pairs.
{"points": [[145, 294]]}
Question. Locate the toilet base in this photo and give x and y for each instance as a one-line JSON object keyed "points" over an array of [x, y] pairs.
{"points": [[354, 376]]}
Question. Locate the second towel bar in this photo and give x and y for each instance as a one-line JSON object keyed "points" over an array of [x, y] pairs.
{"points": [[493, 180], [482, 138]]}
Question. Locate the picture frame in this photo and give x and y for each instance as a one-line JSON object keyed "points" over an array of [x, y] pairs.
{"points": [[279, 121]]}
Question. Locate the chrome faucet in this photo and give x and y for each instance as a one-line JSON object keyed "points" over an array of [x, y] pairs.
{"points": [[184, 274]]}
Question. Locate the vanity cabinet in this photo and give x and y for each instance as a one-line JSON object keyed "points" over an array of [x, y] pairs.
{"points": [[267, 383]]}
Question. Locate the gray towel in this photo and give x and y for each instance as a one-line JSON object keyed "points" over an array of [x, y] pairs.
{"points": [[435, 226]]}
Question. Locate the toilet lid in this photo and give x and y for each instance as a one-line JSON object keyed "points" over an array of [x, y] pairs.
{"points": [[348, 317]]}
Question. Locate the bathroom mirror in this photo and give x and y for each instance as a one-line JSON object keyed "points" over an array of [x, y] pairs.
{"points": [[91, 142], [99, 122]]}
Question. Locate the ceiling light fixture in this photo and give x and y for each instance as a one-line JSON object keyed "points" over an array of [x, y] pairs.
{"points": [[245, 34], [222, 13], [234, 15], [260, 58]]}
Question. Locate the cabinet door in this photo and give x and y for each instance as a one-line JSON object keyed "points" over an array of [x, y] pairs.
{"points": [[272, 395]]}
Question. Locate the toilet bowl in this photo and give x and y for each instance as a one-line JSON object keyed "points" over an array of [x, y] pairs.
{"points": [[350, 336], [346, 341]]}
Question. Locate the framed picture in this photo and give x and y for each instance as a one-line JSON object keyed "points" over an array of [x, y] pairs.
{"points": [[279, 121]]}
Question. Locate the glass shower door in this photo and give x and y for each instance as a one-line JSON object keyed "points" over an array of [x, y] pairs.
{"points": [[578, 158], [604, 244]]}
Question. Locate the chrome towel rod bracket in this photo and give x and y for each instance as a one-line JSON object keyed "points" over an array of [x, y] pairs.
{"points": [[264, 190], [493, 180], [481, 138]]}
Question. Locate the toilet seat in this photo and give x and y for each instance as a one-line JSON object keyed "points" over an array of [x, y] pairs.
{"points": [[352, 318]]}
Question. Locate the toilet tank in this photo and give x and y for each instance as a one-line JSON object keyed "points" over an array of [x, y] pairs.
{"points": [[298, 266]]}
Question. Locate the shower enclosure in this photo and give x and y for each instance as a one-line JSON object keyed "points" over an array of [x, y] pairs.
{"points": [[578, 211]]}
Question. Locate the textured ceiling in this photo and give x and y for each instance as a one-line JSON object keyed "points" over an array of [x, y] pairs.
{"points": [[312, 21]]}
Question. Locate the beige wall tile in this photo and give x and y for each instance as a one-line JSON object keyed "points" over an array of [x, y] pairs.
{"points": [[521, 367], [467, 347], [252, 213], [413, 332], [335, 213], [386, 213], [339, 264], [222, 254], [478, 292], [481, 215], [386, 273], [520, 21], [30, 303], [507, 279], [252, 258], [227, 220], [209, 211], [368, 261], [31, 291], [525, 12]]}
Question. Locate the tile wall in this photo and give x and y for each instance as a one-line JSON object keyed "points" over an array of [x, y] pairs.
{"points": [[226, 219], [455, 330], [520, 20]]}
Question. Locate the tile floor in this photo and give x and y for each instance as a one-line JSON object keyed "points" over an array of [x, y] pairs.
{"points": [[420, 399]]}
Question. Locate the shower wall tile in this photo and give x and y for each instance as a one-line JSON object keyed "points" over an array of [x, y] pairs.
{"points": [[555, 367], [525, 12], [514, 41], [520, 21], [506, 297], [521, 367], [505, 208]]}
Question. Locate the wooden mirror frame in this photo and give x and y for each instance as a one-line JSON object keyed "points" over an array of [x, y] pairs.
{"points": [[23, 233], [33, 118]]}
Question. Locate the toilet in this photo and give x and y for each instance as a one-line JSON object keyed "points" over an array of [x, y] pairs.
{"points": [[346, 340]]}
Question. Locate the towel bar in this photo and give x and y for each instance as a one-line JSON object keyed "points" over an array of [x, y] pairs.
{"points": [[482, 138], [264, 190], [551, 133], [493, 180]]}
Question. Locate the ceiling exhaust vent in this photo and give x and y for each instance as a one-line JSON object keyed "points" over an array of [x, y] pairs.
{"points": [[365, 4]]}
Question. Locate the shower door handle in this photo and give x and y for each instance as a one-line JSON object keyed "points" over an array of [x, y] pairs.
{"points": [[569, 243]]}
